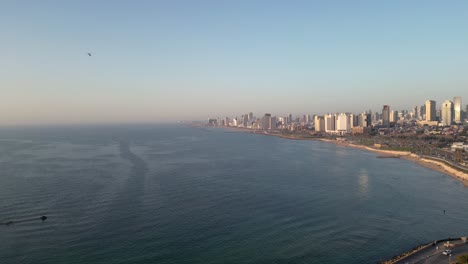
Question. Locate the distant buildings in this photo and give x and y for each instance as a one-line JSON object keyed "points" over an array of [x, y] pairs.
{"points": [[307, 119], [360, 130], [212, 122], [386, 116], [245, 120], [343, 124], [457, 107], [319, 122], [330, 121], [447, 113], [430, 110], [266, 122], [421, 112], [393, 116]]}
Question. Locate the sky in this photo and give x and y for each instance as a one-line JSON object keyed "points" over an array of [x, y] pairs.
{"points": [[160, 61]]}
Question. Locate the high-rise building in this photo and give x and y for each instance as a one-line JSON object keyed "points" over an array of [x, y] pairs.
{"points": [[386, 116], [319, 122], [272, 122], [394, 116], [250, 117], [212, 122], [352, 120], [343, 124], [307, 119], [364, 120], [375, 117], [245, 120], [422, 112], [466, 112], [234, 122], [457, 108], [416, 113], [330, 121], [368, 121], [431, 110], [447, 113], [265, 122]]}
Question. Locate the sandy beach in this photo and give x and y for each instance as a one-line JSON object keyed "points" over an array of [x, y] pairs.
{"points": [[431, 164]]}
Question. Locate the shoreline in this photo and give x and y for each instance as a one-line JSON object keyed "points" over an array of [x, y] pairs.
{"points": [[428, 163]]}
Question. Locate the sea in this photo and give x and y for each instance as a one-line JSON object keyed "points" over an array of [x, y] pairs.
{"points": [[172, 193]]}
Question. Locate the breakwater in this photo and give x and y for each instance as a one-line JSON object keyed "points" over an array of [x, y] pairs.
{"points": [[42, 218]]}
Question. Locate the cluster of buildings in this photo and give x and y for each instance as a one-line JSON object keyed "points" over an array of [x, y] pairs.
{"points": [[449, 113]]}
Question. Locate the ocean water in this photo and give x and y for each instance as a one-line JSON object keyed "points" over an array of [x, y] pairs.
{"points": [[176, 194]]}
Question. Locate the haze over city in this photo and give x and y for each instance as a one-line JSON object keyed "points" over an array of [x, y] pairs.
{"points": [[187, 60]]}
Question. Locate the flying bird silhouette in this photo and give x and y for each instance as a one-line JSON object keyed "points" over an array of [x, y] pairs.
{"points": [[89, 54]]}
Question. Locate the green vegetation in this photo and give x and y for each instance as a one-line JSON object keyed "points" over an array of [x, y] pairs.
{"points": [[462, 259], [366, 142], [398, 148]]}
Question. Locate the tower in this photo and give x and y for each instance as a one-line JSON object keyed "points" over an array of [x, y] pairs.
{"points": [[386, 116], [430, 110], [447, 113], [457, 108]]}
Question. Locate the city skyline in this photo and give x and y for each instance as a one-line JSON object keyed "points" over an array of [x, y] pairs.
{"points": [[416, 110], [183, 60]]}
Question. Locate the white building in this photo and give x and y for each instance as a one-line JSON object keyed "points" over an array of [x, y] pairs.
{"points": [[459, 145], [330, 123], [343, 124], [319, 122], [457, 107], [393, 116]]}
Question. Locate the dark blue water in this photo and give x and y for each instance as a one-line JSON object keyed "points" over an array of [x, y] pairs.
{"points": [[174, 194]]}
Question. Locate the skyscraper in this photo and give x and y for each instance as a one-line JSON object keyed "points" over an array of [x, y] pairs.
{"points": [[266, 121], [245, 120], [422, 112], [386, 116], [330, 122], [319, 122], [343, 124], [447, 113], [457, 108], [430, 110], [307, 119], [394, 116]]}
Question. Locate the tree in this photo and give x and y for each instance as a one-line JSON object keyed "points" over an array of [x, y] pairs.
{"points": [[462, 259]]}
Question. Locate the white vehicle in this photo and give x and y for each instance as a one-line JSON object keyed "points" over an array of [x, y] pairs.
{"points": [[447, 252]]}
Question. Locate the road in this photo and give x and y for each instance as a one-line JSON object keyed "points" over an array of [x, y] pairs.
{"points": [[433, 255]]}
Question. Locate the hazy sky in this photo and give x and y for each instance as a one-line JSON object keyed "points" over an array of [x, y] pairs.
{"points": [[180, 60]]}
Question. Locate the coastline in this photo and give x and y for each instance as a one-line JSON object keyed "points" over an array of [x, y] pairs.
{"points": [[428, 163]]}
